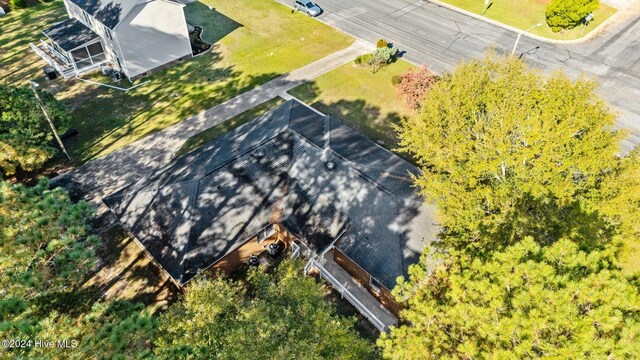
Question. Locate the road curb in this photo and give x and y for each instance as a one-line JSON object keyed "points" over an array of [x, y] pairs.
{"points": [[587, 37]]}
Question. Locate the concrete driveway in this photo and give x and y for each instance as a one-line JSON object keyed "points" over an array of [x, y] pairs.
{"points": [[441, 38]]}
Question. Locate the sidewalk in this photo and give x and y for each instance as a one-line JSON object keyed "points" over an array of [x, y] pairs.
{"points": [[102, 176]]}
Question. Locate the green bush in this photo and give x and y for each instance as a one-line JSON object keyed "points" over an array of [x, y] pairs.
{"points": [[363, 59], [26, 141], [382, 57], [396, 80], [17, 4], [567, 14], [382, 43], [386, 54]]}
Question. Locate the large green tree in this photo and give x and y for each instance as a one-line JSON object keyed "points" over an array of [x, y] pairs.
{"points": [[567, 14], [524, 302], [25, 136], [508, 153], [46, 253], [45, 239], [619, 200], [282, 315]]}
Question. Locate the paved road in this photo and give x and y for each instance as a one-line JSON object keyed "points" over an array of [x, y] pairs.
{"points": [[441, 37]]}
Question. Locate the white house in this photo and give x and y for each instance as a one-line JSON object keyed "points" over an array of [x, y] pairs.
{"points": [[135, 37]]}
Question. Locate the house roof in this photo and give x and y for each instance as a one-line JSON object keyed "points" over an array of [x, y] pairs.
{"points": [[70, 34], [275, 169], [108, 12]]}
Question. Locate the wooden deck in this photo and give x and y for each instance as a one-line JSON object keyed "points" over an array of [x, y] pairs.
{"points": [[358, 296]]}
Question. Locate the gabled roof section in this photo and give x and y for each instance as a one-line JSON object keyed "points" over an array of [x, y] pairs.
{"points": [[108, 12], [70, 34], [275, 170]]}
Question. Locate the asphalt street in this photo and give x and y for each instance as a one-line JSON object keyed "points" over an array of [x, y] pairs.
{"points": [[441, 38]]}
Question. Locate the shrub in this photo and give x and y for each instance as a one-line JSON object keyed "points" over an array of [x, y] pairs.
{"points": [[25, 136], [413, 86], [382, 43], [386, 54], [567, 14], [363, 59], [396, 79], [382, 57], [17, 4]]}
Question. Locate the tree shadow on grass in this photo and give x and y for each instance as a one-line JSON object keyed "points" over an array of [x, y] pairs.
{"points": [[106, 118], [125, 271], [369, 119], [18, 63]]}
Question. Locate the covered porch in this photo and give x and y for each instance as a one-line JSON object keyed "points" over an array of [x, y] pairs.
{"points": [[71, 48]]}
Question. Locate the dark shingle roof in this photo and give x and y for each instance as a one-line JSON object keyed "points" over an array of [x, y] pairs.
{"points": [[70, 34], [108, 12], [273, 169]]}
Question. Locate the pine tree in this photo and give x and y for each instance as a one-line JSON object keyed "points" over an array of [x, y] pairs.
{"points": [[527, 301], [25, 136], [47, 251]]}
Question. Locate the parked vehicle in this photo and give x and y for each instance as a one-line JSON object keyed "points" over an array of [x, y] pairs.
{"points": [[308, 7]]}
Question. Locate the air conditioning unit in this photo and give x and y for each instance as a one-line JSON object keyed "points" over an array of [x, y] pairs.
{"points": [[106, 70]]}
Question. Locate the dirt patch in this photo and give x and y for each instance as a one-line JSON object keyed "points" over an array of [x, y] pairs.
{"points": [[126, 272]]}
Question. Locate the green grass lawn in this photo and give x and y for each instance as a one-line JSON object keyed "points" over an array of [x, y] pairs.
{"points": [[212, 133], [364, 100], [254, 41], [523, 14]]}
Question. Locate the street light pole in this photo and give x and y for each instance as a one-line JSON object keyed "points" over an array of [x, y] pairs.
{"points": [[46, 115], [515, 46]]}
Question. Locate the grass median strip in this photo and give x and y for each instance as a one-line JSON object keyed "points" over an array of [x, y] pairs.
{"points": [[524, 14]]}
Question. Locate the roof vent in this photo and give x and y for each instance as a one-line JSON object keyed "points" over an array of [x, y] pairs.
{"points": [[330, 165]]}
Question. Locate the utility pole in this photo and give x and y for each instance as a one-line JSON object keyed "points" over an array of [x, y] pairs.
{"points": [[46, 115]]}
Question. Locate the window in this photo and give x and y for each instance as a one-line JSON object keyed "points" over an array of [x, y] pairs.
{"points": [[265, 233], [95, 49], [375, 284], [107, 31], [87, 19]]}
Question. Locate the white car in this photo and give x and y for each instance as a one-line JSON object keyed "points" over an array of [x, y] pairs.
{"points": [[309, 7]]}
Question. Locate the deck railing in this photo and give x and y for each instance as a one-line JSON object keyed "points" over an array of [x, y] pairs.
{"points": [[66, 70], [62, 64], [345, 293]]}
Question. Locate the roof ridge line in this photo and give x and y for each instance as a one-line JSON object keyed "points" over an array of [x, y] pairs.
{"points": [[243, 153]]}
